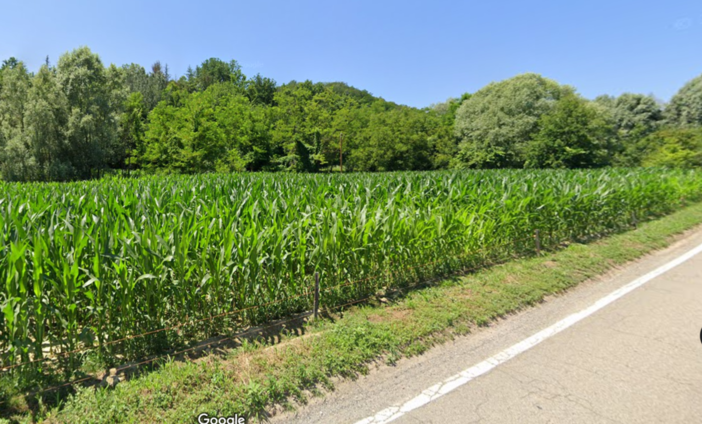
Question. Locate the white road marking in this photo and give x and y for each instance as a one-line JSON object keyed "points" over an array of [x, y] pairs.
{"points": [[434, 392]]}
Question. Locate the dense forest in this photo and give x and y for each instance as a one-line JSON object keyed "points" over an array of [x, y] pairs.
{"points": [[80, 119]]}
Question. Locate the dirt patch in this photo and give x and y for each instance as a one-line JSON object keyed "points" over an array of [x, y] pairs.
{"points": [[510, 279], [463, 293], [393, 314]]}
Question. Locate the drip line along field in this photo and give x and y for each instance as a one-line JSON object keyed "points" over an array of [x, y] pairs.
{"points": [[95, 274]]}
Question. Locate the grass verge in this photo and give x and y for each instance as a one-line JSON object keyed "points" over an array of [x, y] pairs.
{"points": [[254, 378]]}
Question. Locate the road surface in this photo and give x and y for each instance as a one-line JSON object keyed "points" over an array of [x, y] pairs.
{"points": [[636, 360]]}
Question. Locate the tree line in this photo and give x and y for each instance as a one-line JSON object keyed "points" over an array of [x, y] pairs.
{"points": [[80, 119]]}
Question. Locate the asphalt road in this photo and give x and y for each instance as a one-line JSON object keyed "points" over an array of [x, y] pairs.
{"points": [[636, 360]]}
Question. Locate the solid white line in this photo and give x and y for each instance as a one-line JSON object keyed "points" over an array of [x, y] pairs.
{"points": [[434, 392]]}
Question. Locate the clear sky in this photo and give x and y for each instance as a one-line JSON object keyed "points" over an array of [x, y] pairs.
{"points": [[409, 52]]}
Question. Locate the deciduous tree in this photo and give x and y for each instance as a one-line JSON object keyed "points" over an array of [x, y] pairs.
{"points": [[685, 108], [495, 124], [571, 135]]}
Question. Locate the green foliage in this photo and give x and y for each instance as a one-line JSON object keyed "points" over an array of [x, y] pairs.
{"points": [[363, 97], [685, 108], [91, 128], [14, 157], [83, 120], [674, 148], [444, 141], [214, 71], [149, 85], [395, 140], [10, 63], [90, 262], [301, 127], [131, 130], [447, 110], [574, 134], [261, 90], [73, 121], [46, 118], [633, 117], [214, 130], [495, 124], [249, 379]]}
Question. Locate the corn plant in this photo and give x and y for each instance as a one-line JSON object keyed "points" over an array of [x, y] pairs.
{"points": [[83, 264]]}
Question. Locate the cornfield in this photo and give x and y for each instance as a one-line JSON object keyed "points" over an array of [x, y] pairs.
{"points": [[86, 263]]}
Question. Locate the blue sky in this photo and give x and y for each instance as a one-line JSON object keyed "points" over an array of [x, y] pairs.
{"points": [[409, 52]]}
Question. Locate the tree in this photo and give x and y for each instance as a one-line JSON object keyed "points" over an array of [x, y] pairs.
{"points": [[685, 108], [214, 130], [131, 131], [79, 118], [443, 141], [91, 130], [495, 124], [399, 138], [10, 63], [46, 117], [157, 81], [261, 90], [633, 117], [572, 135], [301, 120], [213, 71], [16, 83], [150, 85], [447, 110], [363, 97], [675, 148]]}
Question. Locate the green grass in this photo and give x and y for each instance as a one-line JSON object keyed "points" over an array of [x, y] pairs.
{"points": [[251, 379]]}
